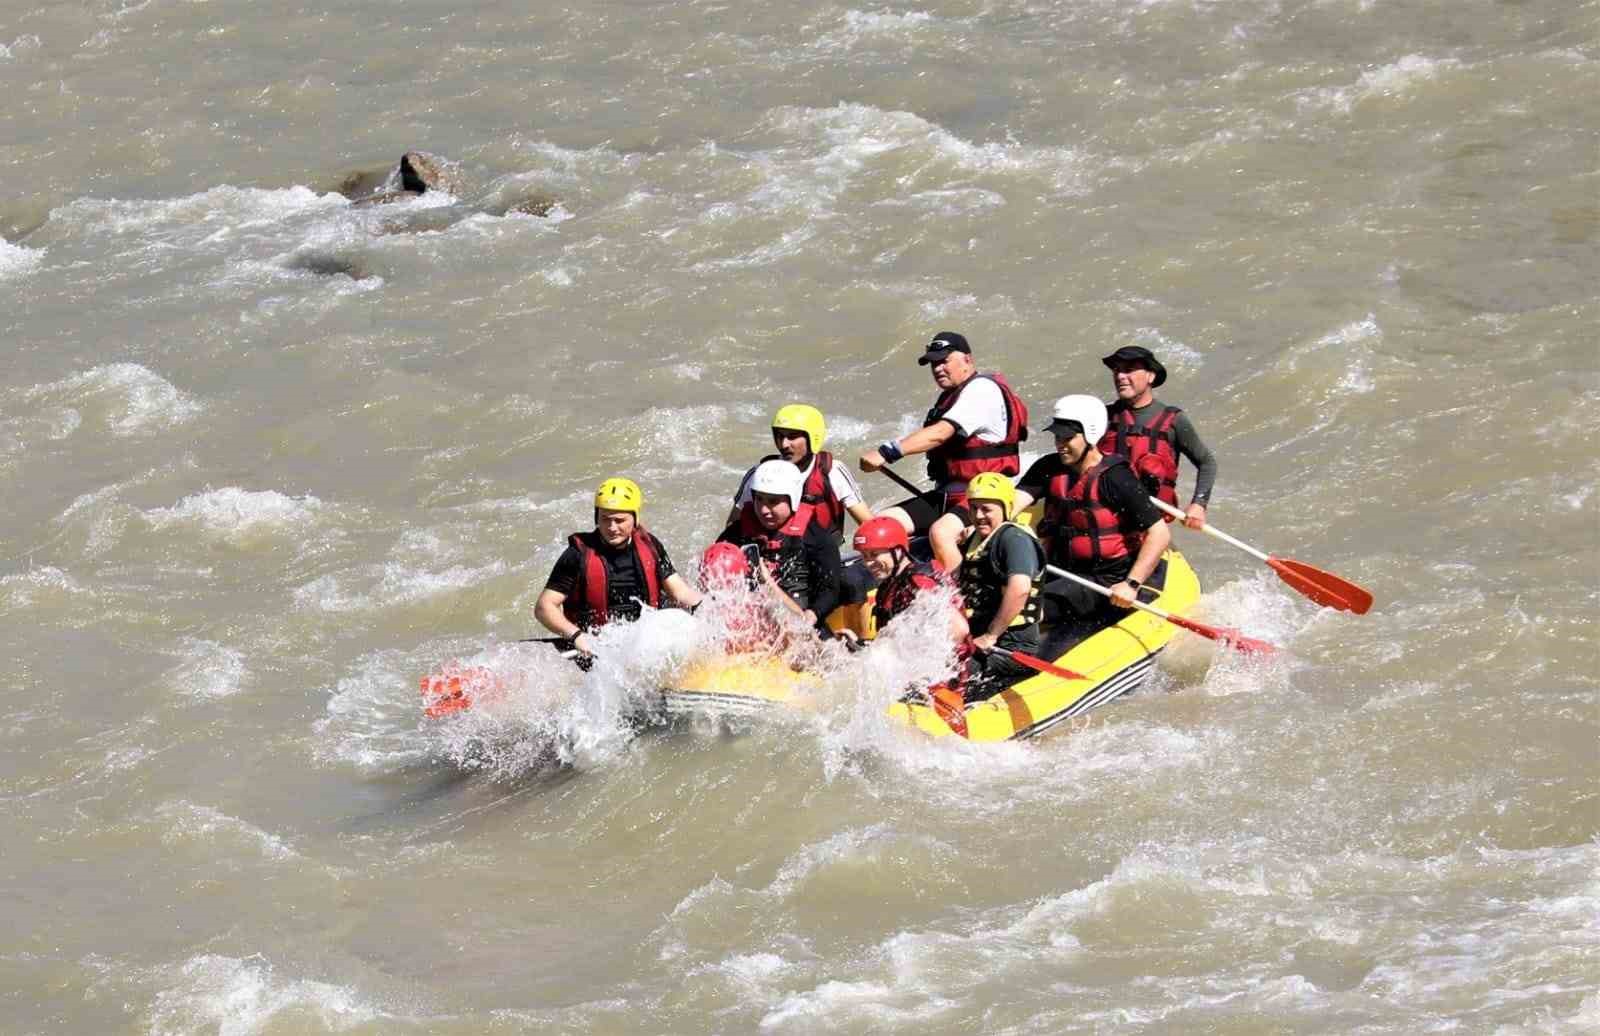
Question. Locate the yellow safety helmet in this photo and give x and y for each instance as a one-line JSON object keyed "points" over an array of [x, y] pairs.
{"points": [[991, 485], [803, 418], [619, 494]]}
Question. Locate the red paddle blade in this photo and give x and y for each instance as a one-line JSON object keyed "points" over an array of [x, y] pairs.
{"points": [[1324, 588], [1042, 666], [1230, 637], [455, 689], [950, 707]]}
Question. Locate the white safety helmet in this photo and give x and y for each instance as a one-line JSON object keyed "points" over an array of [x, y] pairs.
{"points": [[778, 478], [1087, 411]]}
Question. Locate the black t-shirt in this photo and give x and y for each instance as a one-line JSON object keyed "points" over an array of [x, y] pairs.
{"points": [[624, 585]]}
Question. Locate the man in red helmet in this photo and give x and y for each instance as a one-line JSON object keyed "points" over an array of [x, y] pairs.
{"points": [[885, 552]]}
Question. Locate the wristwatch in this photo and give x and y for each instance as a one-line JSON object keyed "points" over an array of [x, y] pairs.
{"points": [[1137, 586]]}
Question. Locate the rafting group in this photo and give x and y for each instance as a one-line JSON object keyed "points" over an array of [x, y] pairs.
{"points": [[1031, 574], [787, 522]]}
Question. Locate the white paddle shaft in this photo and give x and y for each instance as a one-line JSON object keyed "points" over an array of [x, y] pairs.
{"points": [[1210, 530], [1106, 591]]}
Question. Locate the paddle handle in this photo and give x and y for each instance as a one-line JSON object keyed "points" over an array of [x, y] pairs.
{"points": [[1211, 530], [1106, 592], [901, 480]]}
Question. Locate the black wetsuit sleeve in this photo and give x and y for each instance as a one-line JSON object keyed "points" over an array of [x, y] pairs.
{"points": [[1036, 480], [822, 556], [1205, 462], [1122, 491], [664, 567], [564, 577], [731, 535]]}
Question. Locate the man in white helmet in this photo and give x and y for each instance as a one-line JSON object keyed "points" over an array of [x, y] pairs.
{"points": [[1098, 522], [800, 558], [798, 431]]}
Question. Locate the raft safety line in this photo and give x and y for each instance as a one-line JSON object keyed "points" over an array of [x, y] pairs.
{"points": [[1122, 683]]}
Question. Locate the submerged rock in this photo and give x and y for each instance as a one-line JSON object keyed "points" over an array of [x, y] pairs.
{"points": [[417, 173]]}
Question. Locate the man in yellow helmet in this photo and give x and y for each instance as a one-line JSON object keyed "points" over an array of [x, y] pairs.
{"points": [[799, 431], [610, 573], [1002, 568]]}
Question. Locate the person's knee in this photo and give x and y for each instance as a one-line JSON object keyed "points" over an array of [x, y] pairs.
{"points": [[899, 514], [945, 530]]}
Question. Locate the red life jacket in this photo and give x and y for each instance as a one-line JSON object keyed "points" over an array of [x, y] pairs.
{"points": [[963, 457], [896, 593], [827, 508], [1152, 450], [589, 603], [1090, 531], [783, 549]]}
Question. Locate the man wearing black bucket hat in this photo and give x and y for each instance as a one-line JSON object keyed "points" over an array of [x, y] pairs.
{"points": [[974, 427], [1153, 435]]}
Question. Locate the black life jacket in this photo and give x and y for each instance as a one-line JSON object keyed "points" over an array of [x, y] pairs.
{"points": [[983, 585], [896, 593], [782, 550], [1152, 450], [963, 457], [589, 605]]}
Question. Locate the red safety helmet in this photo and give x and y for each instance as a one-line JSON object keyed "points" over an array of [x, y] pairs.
{"points": [[880, 534], [722, 566]]}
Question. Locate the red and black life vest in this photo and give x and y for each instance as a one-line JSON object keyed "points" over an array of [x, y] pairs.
{"points": [[782, 549], [589, 604], [1152, 450], [896, 593], [963, 457], [1085, 529], [827, 508]]}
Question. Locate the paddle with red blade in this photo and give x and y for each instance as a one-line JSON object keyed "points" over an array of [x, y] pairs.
{"points": [[1324, 588], [1221, 634], [455, 688], [1039, 664]]}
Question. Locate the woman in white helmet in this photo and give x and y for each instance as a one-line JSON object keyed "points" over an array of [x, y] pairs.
{"points": [[1098, 522], [800, 558]]}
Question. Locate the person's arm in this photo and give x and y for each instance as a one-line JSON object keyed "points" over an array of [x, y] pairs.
{"points": [[1205, 463], [740, 497], [547, 609], [686, 596], [920, 441], [1156, 539], [822, 555], [1035, 482], [1125, 495], [849, 494], [1012, 600]]}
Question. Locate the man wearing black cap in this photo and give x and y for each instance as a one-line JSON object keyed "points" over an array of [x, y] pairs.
{"points": [[1152, 435], [974, 426]]}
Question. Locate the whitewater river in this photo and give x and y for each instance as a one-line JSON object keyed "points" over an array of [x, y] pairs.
{"points": [[267, 457]]}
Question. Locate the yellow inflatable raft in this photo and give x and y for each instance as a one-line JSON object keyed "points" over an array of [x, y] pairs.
{"points": [[1113, 661]]}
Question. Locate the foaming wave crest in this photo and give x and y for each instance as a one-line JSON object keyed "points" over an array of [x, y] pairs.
{"points": [[209, 670], [16, 260], [130, 399], [217, 836], [238, 515], [215, 993]]}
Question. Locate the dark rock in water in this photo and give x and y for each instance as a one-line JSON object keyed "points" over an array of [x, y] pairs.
{"points": [[421, 172], [20, 218], [325, 264]]}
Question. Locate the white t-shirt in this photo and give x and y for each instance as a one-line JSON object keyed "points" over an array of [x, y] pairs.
{"points": [[980, 410], [843, 483]]}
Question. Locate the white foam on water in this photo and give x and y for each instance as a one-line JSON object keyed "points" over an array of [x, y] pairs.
{"points": [[134, 398], [392, 583], [16, 260], [218, 836], [209, 670], [232, 996], [238, 515], [1395, 80], [21, 45], [207, 218], [24, 590]]}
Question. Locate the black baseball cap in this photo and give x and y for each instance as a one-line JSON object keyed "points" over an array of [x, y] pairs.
{"points": [[944, 343], [1137, 354]]}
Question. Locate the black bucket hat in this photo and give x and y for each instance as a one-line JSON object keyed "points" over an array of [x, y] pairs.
{"points": [[1137, 354]]}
